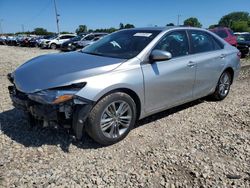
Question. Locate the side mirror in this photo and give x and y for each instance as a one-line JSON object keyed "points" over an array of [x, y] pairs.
{"points": [[160, 55]]}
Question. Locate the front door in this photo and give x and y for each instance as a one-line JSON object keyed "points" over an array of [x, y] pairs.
{"points": [[169, 83]]}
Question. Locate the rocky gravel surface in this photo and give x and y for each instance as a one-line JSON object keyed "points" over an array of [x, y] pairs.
{"points": [[199, 144]]}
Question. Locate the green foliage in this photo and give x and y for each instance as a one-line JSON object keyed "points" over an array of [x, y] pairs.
{"points": [[229, 19], [193, 22], [40, 31], [106, 30], [121, 26], [127, 26], [213, 26], [65, 32], [237, 21], [81, 29], [170, 24], [240, 26]]}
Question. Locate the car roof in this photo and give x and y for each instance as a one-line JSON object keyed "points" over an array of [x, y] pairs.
{"points": [[168, 28]]}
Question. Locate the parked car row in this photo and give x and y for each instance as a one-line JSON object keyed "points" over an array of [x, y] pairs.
{"points": [[71, 42], [81, 42], [64, 42], [239, 40]]}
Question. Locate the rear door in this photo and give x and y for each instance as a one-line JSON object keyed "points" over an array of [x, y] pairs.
{"points": [[168, 83], [64, 38], [209, 57]]}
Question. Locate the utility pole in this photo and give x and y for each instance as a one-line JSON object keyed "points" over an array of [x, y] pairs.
{"points": [[1, 29], [22, 28], [57, 18], [178, 19]]}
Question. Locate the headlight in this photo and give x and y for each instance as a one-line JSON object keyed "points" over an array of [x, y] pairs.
{"points": [[57, 95], [70, 44]]}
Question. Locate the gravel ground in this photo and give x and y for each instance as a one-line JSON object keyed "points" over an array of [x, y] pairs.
{"points": [[200, 144]]}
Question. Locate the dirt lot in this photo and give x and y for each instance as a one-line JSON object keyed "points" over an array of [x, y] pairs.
{"points": [[200, 144]]}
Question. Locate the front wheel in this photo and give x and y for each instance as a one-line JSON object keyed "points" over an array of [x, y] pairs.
{"points": [[223, 86], [112, 118], [53, 46]]}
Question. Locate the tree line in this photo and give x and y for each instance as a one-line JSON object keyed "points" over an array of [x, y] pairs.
{"points": [[237, 21]]}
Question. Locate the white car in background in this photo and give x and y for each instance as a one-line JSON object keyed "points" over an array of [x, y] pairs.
{"points": [[56, 41]]}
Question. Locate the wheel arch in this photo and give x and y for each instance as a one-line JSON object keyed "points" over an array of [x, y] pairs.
{"points": [[52, 44], [231, 72], [129, 92]]}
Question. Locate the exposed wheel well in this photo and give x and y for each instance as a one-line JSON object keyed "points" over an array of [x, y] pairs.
{"points": [[231, 71], [133, 95], [53, 44]]}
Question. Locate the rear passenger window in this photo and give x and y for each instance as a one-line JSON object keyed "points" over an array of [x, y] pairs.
{"points": [[217, 44], [203, 42], [176, 43]]}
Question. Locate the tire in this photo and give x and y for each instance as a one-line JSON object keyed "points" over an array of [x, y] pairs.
{"points": [[223, 86], [106, 126], [53, 46]]}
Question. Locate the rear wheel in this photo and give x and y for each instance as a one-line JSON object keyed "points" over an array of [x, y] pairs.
{"points": [[53, 46], [112, 118], [223, 86]]}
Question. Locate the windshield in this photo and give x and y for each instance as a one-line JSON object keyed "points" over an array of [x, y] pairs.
{"points": [[244, 38], [124, 44], [78, 37], [52, 37]]}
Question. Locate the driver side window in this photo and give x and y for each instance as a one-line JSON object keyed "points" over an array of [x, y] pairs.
{"points": [[175, 42]]}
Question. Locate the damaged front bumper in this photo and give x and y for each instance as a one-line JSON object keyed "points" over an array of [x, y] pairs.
{"points": [[69, 114]]}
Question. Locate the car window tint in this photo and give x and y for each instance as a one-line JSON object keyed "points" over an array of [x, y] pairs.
{"points": [[217, 44], [222, 33], [63, 37], [201, 42], [176, 43], [90, 37]]}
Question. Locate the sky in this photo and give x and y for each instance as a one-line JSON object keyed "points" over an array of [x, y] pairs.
{"points": [[29, 14]]}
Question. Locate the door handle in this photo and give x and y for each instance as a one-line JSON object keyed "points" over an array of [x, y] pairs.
{"points": [[222, 56], [191, 64]]}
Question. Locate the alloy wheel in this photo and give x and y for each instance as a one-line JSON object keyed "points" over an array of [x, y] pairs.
{"points": [[115, 119]]}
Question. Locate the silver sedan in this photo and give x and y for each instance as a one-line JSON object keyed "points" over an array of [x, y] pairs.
{"points": [[128, 75]]}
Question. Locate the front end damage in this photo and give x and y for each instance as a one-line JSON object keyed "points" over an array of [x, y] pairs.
{"points": [[67, 111]]}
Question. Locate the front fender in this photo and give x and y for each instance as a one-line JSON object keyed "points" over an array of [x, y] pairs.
{"points": [[98, 86]]}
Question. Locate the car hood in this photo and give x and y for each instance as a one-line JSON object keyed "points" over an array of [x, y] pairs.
{"points": [[55, 70]]}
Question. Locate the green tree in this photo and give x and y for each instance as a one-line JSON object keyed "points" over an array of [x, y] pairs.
{"points": [[121, 26], [240, 26], [127, 26], [170, 24], [193, 22], [40, 31], [229, 19], [81, 29], [213, 26], [65, 32], [237, 21]]}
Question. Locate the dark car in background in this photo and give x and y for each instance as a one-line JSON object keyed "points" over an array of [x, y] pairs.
{"points": [[88, 39], [227, 34], [243, 40], [69, 45]]}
